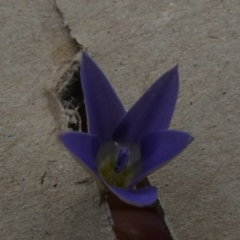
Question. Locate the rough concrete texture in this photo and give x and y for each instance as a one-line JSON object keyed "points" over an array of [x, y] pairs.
{"points": [[40, 197], [135, 42]]}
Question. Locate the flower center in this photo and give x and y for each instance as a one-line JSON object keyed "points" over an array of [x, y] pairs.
{"points": [[122, 160], [117, 165]]}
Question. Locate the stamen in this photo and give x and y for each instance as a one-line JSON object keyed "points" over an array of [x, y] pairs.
{"points": [[122, 160]]}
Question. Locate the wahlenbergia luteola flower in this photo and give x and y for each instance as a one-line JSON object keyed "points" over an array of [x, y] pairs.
{"points": [[123, 147]]}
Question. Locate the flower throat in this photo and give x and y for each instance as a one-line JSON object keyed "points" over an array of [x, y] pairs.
{"points": [[117, 164]]}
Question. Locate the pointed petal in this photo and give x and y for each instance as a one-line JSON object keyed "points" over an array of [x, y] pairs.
{"points": [[137, 197], [83, 146], [152, 112], [104, 108], [158, 148]]}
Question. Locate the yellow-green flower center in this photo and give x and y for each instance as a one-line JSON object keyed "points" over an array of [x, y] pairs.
{"points": [[117, 165], [106, 170]]}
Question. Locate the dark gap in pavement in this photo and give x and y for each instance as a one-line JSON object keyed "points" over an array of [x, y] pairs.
{"points": [[71, 97]]}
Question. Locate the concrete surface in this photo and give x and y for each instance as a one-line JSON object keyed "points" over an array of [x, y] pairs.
{"points": [[134, 42], [40, 198]]}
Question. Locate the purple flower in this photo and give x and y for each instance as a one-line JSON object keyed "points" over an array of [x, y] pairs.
{"points": [[122, 148]]}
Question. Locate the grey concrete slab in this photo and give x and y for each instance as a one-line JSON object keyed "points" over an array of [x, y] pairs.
{"points": [[39, 196], [134, 42]]}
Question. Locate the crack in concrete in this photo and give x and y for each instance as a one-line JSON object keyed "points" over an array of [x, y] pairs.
{"points": [[70, 94]]}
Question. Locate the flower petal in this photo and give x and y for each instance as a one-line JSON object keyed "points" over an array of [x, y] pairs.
{"points": [[160, 147], [152, 112], [84, 146], [104, 108], [137, 197]]}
